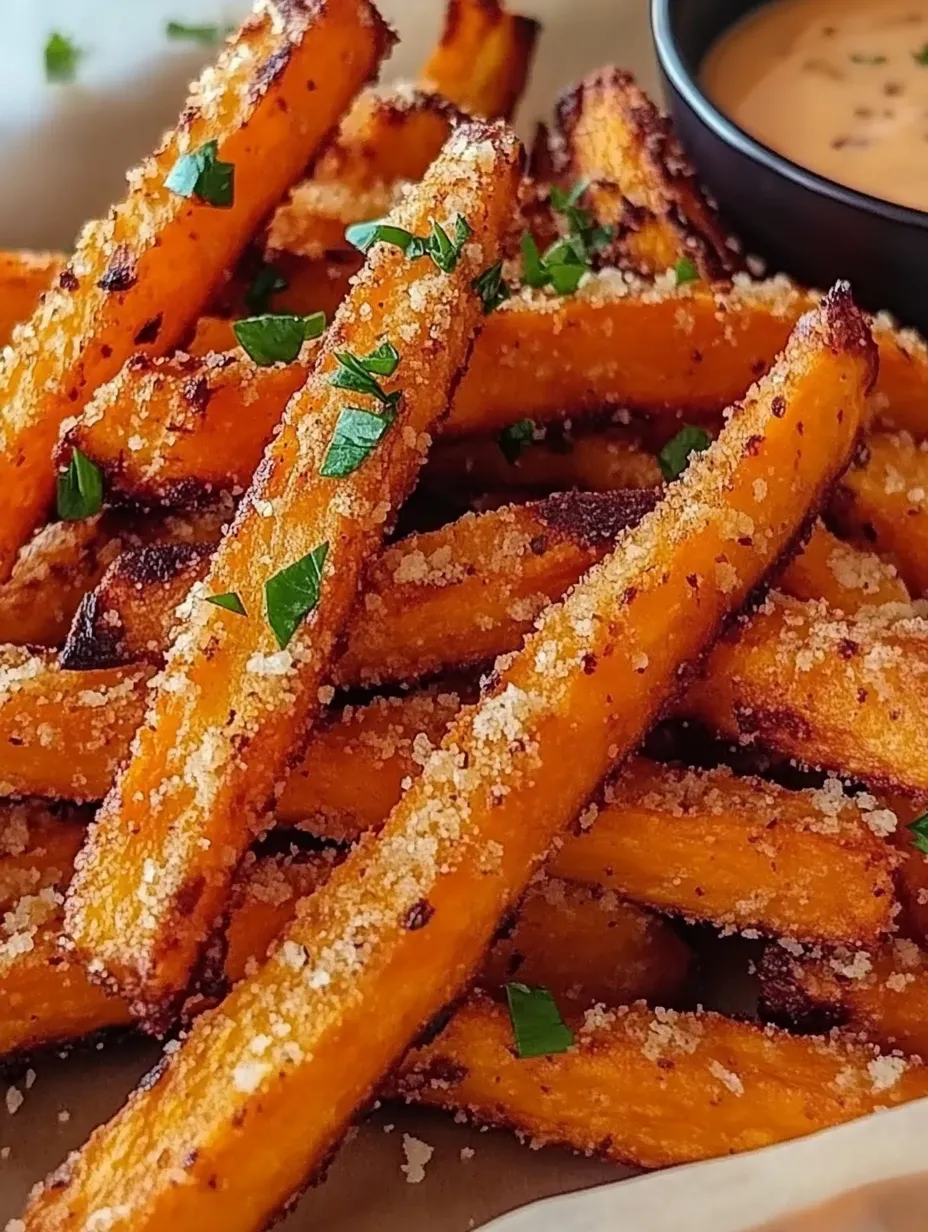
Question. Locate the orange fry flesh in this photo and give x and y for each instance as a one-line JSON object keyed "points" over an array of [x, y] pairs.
{"points": [[741, 852], [610, 134], [680, 353], [841, 692], [510, 774], [138, 279], [847, 578], [656, 1088], [202, 800], [882, 501], [24, 277], [882, 994], [686, 842]]}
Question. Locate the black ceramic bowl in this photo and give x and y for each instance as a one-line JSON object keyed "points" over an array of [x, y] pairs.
{"points": [[801, 223]]}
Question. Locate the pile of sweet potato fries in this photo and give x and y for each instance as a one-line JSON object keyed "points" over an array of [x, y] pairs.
{"points": [[323, 451]]}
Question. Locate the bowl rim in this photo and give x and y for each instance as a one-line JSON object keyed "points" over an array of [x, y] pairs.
{"points": [[686, 84]]}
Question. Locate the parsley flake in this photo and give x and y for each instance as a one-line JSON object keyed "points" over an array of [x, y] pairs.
{"points": [[61, 58], [230, 602], [276, 338], [537, 1025], [356, 433], [267, 282], [79, 489], [859, 58], [674, 457], [203, 175], [180, 30], [444, 251], [921, 57], [490, 287], [513, 440], [919, 828], [359, 374], [685, 271], [291, 594]]}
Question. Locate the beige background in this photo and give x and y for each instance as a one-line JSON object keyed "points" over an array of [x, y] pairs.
{"points": [[64, 153]]}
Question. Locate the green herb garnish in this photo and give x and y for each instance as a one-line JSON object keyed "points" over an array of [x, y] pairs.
{"points": [[203, 175], [79, 489], [675, 455], [919, 828], [858, 58], [61, 58], [356, 433], [277, 338], [921, 57], [291, 594], [490, 287], [358, 373], [444, 251], [537, 1025], [267, 282], [685, 271], [229, 601], [194, 34], [513, 440]]}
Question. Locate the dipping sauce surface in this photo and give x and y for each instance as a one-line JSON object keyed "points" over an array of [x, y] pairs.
{"points": [[838, 86]]}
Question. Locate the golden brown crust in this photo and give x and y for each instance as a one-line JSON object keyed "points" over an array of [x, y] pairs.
{"points": [[608, 131]]}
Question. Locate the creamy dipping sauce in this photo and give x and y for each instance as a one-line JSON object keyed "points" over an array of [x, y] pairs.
{"points": [[838, 86]]}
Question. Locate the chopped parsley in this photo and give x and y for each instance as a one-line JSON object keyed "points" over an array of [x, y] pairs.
{"points": [[79, 489], [859, 58], [919, 828], [229, 601], [61, 58], [291, 594], [674, 457], [267, 282], [277, 338], [490, 287], [359, 373], [356, 433], [207, 35], [563, 264], [685, 271], [921, 57], [512, 440], [537, 1025], [203, 175], [444, 251]]}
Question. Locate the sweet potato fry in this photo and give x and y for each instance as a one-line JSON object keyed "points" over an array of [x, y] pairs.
{"points": [[912, 875], [24, 278], [846, 577], [610, 133], [655, 1088], [881, 995], [139, 279], [65, 560], [741, 852], [845, 693], [686, 842], [483, 58], [205, 797], [38, 844], [472, 828], [448, 598], [882, 501], [599, 463], [681, 354]]}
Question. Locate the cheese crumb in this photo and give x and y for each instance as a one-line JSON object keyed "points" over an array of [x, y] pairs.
{"points": [[418, 1154]]}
